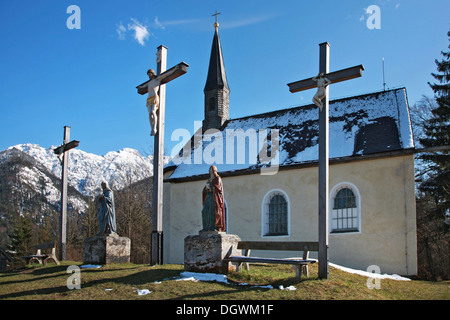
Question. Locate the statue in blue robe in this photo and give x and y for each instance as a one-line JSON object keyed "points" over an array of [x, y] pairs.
{"points": [[107, 213]]}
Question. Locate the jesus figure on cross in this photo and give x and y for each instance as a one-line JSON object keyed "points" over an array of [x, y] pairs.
{"points": [[153, 99], [322, 84], [155, 87], [321, 99]]}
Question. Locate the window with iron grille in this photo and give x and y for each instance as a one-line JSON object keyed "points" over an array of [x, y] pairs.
{"points": [[276, 215], [345, 214]]}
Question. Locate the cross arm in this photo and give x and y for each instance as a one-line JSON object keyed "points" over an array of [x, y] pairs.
{"points": [[334, 77], [65, 147], [166, 76]]}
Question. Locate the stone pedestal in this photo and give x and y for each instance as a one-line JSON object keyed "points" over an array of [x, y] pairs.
{"points": [[106, 249], [205, 252]]}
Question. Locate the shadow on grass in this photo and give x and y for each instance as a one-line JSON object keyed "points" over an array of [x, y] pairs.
{"points": [[138, 278], [52, 280]]}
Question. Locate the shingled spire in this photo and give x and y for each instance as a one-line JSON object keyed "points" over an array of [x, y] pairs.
{"points": [[216, 90]]}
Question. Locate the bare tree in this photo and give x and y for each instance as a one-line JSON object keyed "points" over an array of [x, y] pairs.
{"points": [[133, 215]]}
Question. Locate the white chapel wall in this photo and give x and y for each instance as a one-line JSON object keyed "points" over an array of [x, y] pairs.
{"points": [[388, 225]]}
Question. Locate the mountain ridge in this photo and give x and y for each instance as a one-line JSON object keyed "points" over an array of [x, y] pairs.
{"points": [[87, 170]]}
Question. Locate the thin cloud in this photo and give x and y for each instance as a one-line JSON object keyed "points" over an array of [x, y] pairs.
{"points": [[164, 24], [225, 25], [141, 33], [135, 29], [121, 31], [158, 24], [246, 21]]}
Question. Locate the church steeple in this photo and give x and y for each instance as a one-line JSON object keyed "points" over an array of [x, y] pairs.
{"points": [[216, 90]]}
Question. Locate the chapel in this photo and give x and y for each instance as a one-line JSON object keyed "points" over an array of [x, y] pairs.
{"points": [[269, 167]]}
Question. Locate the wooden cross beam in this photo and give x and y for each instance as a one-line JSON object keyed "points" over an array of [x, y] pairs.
{"points": [[334, 77], [310, 83], [66, 147], [163, 76], [63, 154]]}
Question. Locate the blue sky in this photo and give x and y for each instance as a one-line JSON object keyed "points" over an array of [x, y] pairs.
{"points": [[52, 76]]}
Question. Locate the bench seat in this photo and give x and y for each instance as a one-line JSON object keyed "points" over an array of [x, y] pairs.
{"points": [[270, 260], [42, 258], [300, 265]]}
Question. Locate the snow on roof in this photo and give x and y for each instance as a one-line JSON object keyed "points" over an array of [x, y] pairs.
{"points": [[358, 126]]}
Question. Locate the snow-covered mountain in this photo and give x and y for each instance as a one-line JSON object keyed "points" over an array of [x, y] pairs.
{"points": [[30, 184], [87, 170]]}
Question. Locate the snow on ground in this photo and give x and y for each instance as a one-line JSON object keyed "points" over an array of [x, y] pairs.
{"points": [[194, 276], [211, 277], [370, 274]]}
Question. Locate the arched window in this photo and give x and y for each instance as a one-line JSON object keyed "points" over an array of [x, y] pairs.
{"points": [[275, 214], [345, 209]]}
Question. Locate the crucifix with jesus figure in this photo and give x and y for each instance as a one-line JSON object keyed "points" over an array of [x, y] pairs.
{"points": [[156, 101], [321, 99]]}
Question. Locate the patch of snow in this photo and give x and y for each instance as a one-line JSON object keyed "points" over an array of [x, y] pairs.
{"points": [[290, 288], [370, 274], [90, 266], [143, 292], [195, 276]]}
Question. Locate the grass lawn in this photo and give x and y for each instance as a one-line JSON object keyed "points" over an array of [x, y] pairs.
{"points": [[121, 282]]}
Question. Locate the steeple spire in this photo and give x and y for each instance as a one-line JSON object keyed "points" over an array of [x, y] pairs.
{"points": [[217, 77], [216, 88]]}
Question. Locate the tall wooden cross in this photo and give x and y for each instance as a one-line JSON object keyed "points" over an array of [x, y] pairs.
{"points": [[163, 76], [310, 83], [63, 154]]}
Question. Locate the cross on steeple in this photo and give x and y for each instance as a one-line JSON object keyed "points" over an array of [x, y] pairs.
{"points": [[216, 24]]}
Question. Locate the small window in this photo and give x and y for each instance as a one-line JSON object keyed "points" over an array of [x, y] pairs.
{"points": [[275, 214], [345, 211]]}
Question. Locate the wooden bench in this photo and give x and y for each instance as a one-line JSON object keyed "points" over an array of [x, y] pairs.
{"points": [[300, 265], [43, 257]]}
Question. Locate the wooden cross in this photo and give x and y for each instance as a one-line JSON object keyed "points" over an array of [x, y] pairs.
{"points": [[156, 254], [334, 77], [63, 154]]}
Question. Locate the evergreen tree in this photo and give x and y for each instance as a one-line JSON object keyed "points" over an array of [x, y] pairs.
{"points": [[21, 236], [437, 133]]}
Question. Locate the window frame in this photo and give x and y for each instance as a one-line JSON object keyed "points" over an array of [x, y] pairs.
{"points": [[265, 214], [338, 187]]}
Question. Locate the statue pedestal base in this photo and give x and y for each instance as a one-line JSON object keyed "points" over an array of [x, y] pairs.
{"points": [[106, 249], [205, 252]]}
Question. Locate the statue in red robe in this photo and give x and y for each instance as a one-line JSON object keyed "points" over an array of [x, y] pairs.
{"points": [[213, 212]]}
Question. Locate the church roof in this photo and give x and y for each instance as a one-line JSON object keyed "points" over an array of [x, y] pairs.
{"points": [[216, 79], [359, 126]]}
